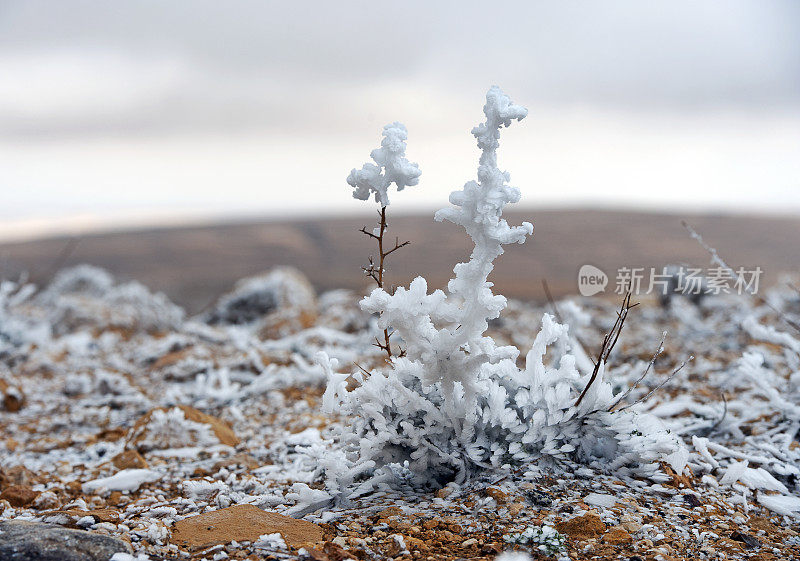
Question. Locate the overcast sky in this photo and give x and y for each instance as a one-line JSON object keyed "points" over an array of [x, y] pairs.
{"points": [[155, 112]]}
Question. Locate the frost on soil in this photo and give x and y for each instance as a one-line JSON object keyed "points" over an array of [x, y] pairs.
{"points": [[96, 375]]}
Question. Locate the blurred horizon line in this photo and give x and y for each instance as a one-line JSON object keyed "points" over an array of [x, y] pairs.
{"points": [[92, 224]]}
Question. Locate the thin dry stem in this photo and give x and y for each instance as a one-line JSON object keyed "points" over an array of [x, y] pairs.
{"points": [[661, 385], [644, 374], [717, 260], [718, 422], [551, 300], [609, 341], [376, 272], [364, 370]]}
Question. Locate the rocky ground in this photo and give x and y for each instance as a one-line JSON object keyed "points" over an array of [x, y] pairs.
{"points": [[130, 430]]}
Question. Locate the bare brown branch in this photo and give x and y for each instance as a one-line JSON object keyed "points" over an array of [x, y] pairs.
{"points": [[609, 341], [364, 230], [376, 272], [552, 301]]}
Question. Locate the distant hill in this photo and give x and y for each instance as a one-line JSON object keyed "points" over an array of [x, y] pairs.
{"points": [[193, 265]]}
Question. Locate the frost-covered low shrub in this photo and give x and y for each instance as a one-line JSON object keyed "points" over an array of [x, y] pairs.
{"points": [[80, 279], [18, 329], [455, 402], [337, 311], [170, 428], [768, 379], [86, 297], [274, 304]]}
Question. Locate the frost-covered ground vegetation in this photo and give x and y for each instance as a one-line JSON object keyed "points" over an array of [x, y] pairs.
{"points": [[122, 415], [456, 402]]}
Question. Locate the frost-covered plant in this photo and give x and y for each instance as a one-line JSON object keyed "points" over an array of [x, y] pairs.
{"points": [[275, 304], [454, 353], [457, 402], [80, 279], [508, 556], [545, 538], [170, 428], [88, 297], [393, 167], [774, 378], [18, 329]]}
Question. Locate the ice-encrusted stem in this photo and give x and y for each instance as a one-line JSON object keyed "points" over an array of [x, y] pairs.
{"points": [[478, 208], [392, 167]]}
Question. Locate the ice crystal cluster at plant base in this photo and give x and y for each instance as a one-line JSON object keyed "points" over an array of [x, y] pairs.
{"points": [[456, 402], [545, 538]]}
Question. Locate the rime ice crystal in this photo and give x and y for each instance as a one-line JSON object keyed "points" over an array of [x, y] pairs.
{"points": [[392, 167]]}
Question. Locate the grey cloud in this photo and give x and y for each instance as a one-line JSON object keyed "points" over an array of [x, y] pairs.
{"points": [[250, 59]]}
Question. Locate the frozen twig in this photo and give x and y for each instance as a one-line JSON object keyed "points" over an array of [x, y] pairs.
{"points": [[658, 387], [552, 302], [391, 166], [633, 386], [377, 272], [609, 341], [717, 260], [718, 422]]}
